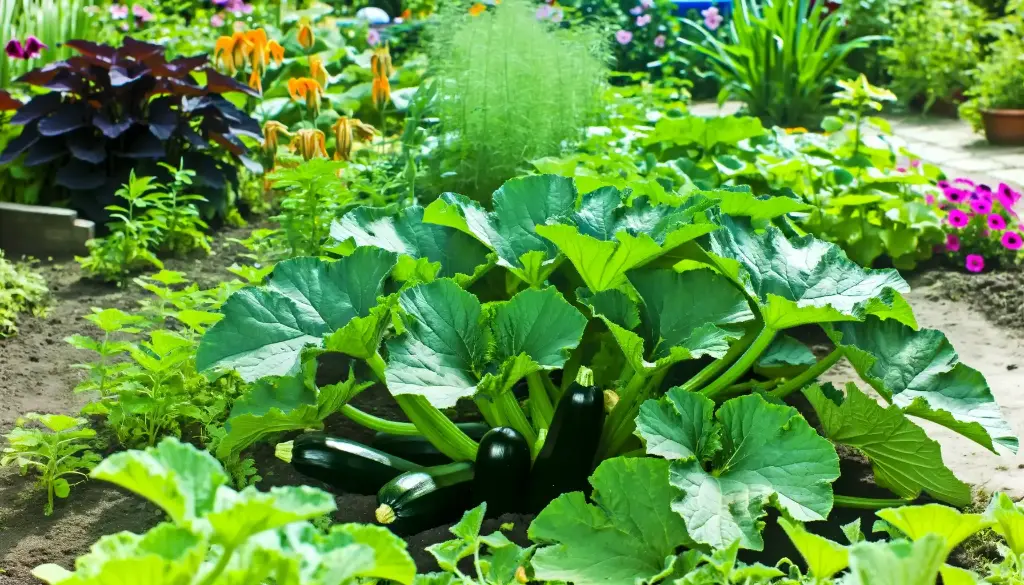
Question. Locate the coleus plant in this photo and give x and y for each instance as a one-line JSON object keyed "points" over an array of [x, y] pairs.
{"points": [[672, 307], [109, 110]]}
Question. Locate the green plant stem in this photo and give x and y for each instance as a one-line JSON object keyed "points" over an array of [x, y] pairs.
{"points": [[867, 503], [628, 424], [431, 422], [222, 563], [540, 402], [735, 371], [808, 375], [378, 424], [510, 410], [711, 370], [629, 395]]}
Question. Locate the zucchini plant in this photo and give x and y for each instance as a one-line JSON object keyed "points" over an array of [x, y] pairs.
{"points": [[678, 312]]}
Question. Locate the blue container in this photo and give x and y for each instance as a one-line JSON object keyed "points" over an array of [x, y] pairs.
{"points": [[684, 6]]}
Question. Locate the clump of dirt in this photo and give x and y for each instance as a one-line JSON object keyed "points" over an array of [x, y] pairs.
{"points": [[999, 295]]}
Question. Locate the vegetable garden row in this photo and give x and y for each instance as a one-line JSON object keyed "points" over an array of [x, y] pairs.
{"points": [[452, 261]]}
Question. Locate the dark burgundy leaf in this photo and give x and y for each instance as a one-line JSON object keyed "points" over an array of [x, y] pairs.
{"points": [[189, 64], [138, 50], [66, 118], [28, 137], [193, 138], [38, 107], [229, 142], [80, 175], [180, 87], [121, 76], [111, 128], [86, 145], [66, 80], [8, 103], [217, 82], [142, 144], [162, 118], [94, 50], [248, 127], [44, 151]]}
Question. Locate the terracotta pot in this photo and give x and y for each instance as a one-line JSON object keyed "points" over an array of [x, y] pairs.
{"points": [[1004, 126]]}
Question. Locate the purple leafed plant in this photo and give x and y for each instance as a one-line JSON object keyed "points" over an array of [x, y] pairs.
{"points": [[112, 109]]}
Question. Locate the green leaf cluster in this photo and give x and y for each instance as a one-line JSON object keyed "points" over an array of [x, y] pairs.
{"points": [[22, 290]]}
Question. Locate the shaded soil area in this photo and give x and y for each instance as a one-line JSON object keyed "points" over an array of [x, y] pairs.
{"points": [[36, 374]]}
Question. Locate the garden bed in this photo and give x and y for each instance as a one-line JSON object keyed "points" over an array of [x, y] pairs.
{"points": [[36, 376]]}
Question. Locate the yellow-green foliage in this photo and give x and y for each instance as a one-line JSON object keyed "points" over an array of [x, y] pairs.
{"points": [[21, 291], [512, 89]]}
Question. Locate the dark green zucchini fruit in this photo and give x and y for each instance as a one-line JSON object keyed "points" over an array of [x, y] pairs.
{"points": [[428, 497], [343, 464], [502, 471], [418, 449]]}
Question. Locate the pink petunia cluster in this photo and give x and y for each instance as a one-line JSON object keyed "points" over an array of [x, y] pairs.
{"points": [[980, 220]]}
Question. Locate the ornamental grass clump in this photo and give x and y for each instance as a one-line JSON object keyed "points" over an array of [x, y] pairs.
{"points": [[514, 88], [982, 229]]}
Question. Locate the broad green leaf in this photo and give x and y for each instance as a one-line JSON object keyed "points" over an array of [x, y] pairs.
{"points": [[1008, 519], [897, 562], [404, 232], [785, 358], [805, 280], [391, 558], [520, 205], [626, 536], [673, 429], [265, 329], [735, 202], [452, 348], [606, 238], [240, 515], [824, 557], [766, 454], [956, 576], [903, 458], [704, 132], [175, 476], [916, 522], [921, 373], [682, 315]]}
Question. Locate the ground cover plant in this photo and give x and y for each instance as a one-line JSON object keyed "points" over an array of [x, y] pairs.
{"points": [[22, 291]]}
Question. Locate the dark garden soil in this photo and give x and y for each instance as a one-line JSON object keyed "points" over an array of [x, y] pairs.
{"points": [[36, 375]]}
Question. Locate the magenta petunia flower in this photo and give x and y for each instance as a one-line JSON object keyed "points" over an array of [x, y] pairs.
{"points": [[901, 169], [981, 206], [983, 188], [712, 19], [975, 263], [916, 162], [957, 218], [543, 12], [955, 195], [996, 222], [14, 49], [943, 185], [659, 41], [141, 14], [964, 181], [952, 243], [33, 47], [217, 21], [118, 11], [643, 20], [636, 10], [929, 199], [1012, 241], [1009, 192], [623, 37]]}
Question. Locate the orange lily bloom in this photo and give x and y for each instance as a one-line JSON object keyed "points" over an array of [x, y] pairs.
{"points": [[344, 129], [231, 52], [477, 9], [307, 89], [275, 51], [309, 143], [256, 50], [271, 131], [305, 36], [317, 70]]}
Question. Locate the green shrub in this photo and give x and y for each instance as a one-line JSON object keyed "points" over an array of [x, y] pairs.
{"points": [[514, 89], [934, 44], [998, 81], [21, 291]]}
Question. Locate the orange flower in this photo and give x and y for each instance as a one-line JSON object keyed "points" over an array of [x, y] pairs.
{"points": [[477, 9], [305, 35], [317, 70], [275, 51], [309, 143], [344, 129], [380, 62], [255, 81], [406, 14], [271, 131], [231, 52], [381, 92], [307, 89], [256, 49]]}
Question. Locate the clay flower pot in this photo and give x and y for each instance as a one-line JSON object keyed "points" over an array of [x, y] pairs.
{"points": [[1004, 126]]}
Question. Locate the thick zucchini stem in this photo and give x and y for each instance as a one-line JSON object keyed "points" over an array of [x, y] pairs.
{"points": [[808, 375], [867, 503], [629, 395], [746, 361], [510, 410], [375, 423], [540, 401]]}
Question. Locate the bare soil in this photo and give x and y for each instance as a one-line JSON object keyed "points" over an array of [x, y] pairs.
{"points": [[36, 375]]}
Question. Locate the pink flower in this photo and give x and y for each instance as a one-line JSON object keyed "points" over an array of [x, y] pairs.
{"points": [[217, 21], [957, 218], [943, 185], [996, 222], [643, 20], [915, 163], [975, 263], [964, 181], [14, 49], [623, 37], [543, 12], [647, 3], [659, 41], [33, 47], [636, 10], [901, 169], [981, 206], [1012, 241], [712, 19], [1008, 192], [141, 13], [952, 243], [929, 199], [955, 195], [118, 11], [373, 37]]}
